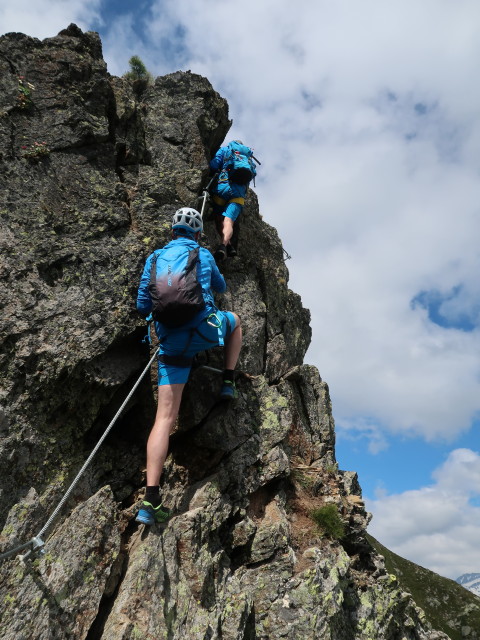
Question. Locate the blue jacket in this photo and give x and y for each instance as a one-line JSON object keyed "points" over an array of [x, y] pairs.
{"points": [[216, 163], [208, 276]]}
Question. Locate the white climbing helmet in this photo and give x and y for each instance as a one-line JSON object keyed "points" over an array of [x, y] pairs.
{"points": [[189, 219]]}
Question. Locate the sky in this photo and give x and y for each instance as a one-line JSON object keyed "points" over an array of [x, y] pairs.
{"points": [[365, 116]]}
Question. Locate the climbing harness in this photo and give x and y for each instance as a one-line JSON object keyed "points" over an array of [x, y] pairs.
{"points": [[221, 201], [181, 360], [37, 543], [214, 321]]}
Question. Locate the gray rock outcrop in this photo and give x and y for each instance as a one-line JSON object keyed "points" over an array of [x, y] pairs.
{"points": [[91, 169]]}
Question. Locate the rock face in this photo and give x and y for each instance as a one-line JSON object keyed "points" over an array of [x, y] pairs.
{"points": [[91, 169]]}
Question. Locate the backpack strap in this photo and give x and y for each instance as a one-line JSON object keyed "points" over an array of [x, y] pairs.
{"points": [[148, 338], [153, 268]]}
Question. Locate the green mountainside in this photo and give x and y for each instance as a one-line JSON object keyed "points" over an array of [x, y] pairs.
{"points": [[448, 606]]}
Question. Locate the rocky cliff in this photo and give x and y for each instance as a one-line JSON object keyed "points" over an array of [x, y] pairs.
{"points": [[91, 169]]}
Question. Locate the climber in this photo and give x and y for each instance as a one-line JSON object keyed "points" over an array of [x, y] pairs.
{"points": [[182, 336], [235, 166]]}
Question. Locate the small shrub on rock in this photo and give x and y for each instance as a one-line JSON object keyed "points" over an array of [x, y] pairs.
{"points": [[329, 522], [35, 151], [24, 97], [138, 75]]}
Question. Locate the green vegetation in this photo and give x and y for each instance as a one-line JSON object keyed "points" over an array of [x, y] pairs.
{"points": [[448, 606], [329, 522], [138, 72], [24, 97], [304, 480], [332, 469], [35, 151]]}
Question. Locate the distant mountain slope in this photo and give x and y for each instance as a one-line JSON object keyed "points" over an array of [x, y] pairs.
{"points": [[448, 606], [470, 581]]}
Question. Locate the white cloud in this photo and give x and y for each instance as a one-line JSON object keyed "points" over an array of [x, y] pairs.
{"points": [[461, 472], [435, 526], [363, 428], [45, 18], [121, 43]]}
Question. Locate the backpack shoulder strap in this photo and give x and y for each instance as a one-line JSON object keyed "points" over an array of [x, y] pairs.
{"points": [[227, 155], [153, 267], [193, 258]]}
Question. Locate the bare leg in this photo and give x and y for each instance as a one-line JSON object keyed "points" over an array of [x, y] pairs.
{"points": [[219, 224], [227, 230], [169, 398], [233, 345]]}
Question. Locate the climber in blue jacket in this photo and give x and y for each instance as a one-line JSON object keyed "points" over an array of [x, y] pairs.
{"points": [[229, 192], [208, 328]]}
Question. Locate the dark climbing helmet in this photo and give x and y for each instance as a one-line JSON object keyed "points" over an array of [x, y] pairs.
{"points": [[188, 219]]}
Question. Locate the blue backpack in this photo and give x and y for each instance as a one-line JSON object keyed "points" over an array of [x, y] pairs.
{"points": [[175, 291], [239, 163]]}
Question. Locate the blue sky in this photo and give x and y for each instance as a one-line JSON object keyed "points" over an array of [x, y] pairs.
{"points": [[365, 117]]}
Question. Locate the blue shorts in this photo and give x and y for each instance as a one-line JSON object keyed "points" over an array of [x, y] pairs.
{"points": [[227, 191], [204, 337], [233, 210]]}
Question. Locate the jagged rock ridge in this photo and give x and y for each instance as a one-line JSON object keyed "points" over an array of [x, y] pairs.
{"points": [[91, 170]]}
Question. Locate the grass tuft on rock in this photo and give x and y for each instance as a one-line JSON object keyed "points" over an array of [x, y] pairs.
{"points": [[329, 522]]}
